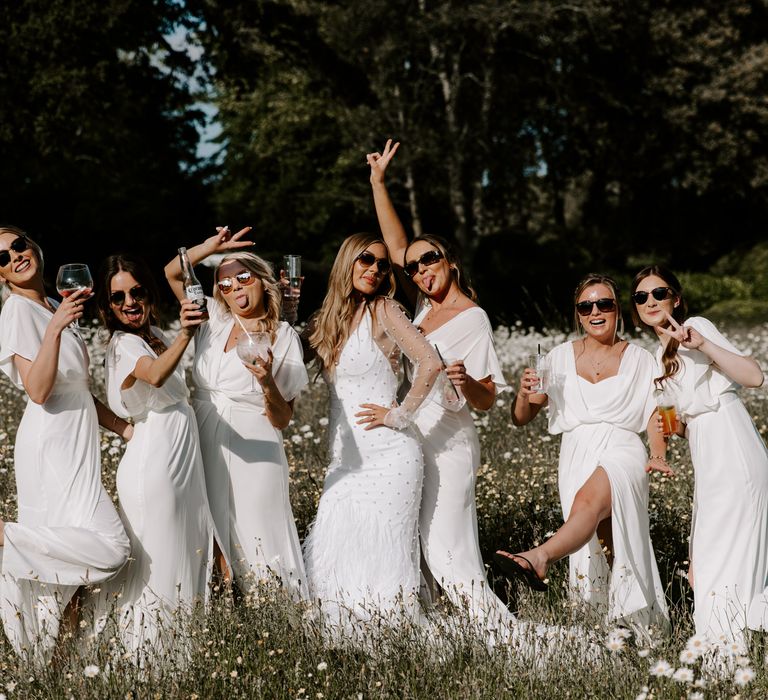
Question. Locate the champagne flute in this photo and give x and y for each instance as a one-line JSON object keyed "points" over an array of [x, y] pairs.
{"points": [[253, 346], [72, 278]]}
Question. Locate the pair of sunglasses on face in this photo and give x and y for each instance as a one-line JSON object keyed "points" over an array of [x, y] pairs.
{"points": [[244, 279], [17, 246], [138, 293], [605, 305], [367, 259], [426, 259]]}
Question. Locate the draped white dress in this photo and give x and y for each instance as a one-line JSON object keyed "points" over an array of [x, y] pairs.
{"points": [[246, 470], [68, 531], [448, 515], [163, 503], [362, 551], [600, 424], [729, 528]]}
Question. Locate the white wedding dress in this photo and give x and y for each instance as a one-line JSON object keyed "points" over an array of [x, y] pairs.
{"points": [[68, 532], [600, 424], [362, 551], [246, 470], [729, 528], [448, 515]]}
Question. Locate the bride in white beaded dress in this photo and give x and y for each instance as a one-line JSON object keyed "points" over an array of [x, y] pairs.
{"points": [[362, 551]]}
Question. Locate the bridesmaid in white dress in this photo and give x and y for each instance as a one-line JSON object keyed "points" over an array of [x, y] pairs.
{"points": [[362, 551], [241, 410], [447, 314], [600, 396], [729, 528], [68, 532], [160, 479]]}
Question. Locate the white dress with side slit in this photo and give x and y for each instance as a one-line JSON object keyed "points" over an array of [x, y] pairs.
{"points": [[729, 528], [68, 532], [161, 487], [246, 469], [600, 425]]}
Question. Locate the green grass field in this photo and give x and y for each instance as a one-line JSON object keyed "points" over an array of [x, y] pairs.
{"points": [[262, 646]]}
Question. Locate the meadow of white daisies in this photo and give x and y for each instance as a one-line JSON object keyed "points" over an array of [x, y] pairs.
{"points": [[260, 645]]}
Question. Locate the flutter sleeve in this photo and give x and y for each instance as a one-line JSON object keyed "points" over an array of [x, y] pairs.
{"points": [[288, 365], [21, 333], [426, 364], [124, 351]]}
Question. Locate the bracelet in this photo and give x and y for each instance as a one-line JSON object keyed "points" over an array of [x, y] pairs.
{"points": [[659, 457]]}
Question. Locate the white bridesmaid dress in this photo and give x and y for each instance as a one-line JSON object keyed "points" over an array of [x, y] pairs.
{"points": [[448, 515], [600, 424], [161, 487], [246, 470], [68, 532], [729, 528], [362, 551]]}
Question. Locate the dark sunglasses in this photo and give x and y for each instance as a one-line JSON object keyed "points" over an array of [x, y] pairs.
{"points": [[659, 294], [17, 246], [427, 259], [138, 293], [605, 305], [367, 258], [244, 278]]}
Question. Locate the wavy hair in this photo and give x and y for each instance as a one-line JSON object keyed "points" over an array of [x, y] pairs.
{"points": [[273, 299], [451, 257], [135, 266], [589, 280], [331, 324], [669, 359], [36, 249]]}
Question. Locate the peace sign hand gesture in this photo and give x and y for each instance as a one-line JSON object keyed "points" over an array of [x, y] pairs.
{"points": [[687, 337], [380, 161], [224, 241]]}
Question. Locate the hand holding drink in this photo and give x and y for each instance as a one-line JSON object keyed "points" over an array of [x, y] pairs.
{"points": [[537, 363], [667, 414]]}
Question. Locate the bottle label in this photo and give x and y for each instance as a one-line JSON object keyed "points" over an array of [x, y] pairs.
{"points": [[194, 292]]}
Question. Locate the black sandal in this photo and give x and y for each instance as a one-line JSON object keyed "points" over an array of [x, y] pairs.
{"points": [[511, 569]]}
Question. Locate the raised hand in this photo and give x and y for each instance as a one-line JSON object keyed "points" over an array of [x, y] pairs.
{"points": [[687, 337], [224, 241], [380, 161]]}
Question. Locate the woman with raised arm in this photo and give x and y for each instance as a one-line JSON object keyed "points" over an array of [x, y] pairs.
{"points": [[160, 479], [447, 313], [241, 410], [362, 551], [600, 397], [68, 532], [702, 370]]}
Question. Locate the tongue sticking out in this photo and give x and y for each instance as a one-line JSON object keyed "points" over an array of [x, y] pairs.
{"points": [[242, 301]]}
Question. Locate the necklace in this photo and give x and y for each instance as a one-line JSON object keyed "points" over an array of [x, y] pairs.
{"points": [[597, 365]]}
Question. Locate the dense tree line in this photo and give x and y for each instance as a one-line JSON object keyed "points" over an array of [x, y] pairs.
{"points": [[545, 137]]}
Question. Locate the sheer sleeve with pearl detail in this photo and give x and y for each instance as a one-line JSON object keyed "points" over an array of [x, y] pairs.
{"points": [[396, 336]]}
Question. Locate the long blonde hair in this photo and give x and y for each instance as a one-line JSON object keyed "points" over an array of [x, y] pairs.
{"points": [[15, 230], [273, 299], [331, 324]]}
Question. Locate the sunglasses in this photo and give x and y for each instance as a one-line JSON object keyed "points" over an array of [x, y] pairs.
{"points": [[605, 305], [138, 293], [244, 278], [17, 246], [367, 259], [659, 294], [427, 259]]}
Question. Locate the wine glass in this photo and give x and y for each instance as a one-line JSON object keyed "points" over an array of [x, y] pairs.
{"points": [[253, 346], [72, 278]]}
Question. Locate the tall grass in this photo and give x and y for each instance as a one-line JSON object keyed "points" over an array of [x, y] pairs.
{"points": [[260, 645]]}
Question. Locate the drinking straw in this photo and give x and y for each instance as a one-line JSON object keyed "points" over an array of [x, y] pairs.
{"points": [[458, 398]]}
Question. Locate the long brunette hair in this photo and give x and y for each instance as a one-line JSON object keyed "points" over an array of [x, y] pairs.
{"points": [[38, 251], [135, 266], [331, 324], [669, 359]]}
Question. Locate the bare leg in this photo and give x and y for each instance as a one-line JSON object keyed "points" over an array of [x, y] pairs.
{"points": [[221, 564], [2, 533], [591, 506], [690, 573]]}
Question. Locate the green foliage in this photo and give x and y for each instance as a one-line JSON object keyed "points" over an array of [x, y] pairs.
{"points": [[703, 290]]}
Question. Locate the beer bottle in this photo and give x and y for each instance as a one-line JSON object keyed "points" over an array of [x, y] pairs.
{"points": [[193, 290]]}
